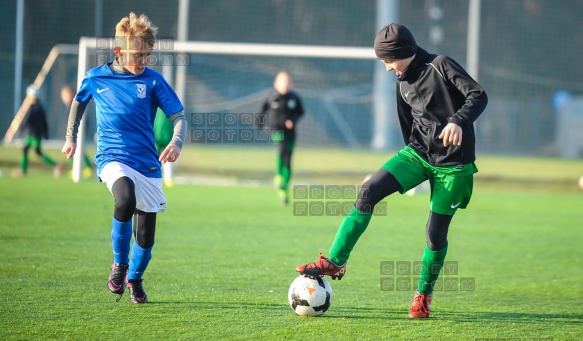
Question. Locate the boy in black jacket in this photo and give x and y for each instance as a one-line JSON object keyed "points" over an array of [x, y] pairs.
{"points": [[282, 110], [437, 104], [36, 128]]}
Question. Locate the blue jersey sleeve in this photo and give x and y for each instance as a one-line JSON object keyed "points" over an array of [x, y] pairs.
{"points": [[84, 94], [166, 98]]}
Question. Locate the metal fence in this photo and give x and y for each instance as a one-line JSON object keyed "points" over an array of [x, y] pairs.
{"points": [[527, 58]]}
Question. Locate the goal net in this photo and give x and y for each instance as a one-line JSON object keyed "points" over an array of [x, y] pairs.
{"points": [[334, 83]]}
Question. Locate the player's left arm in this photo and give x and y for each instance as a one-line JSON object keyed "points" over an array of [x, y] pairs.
{"points": [[474, 96], [172, 151], [475, 101], [296, 114], [167, 100], [451, 135]]}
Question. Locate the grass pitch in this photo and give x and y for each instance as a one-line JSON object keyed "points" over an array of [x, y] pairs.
{"points": [[225, 256]]}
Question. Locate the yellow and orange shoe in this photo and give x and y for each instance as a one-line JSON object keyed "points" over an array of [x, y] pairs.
{"points": [[58, 170], [277, 181], [282, 194], [421, 305], [323, 266]]}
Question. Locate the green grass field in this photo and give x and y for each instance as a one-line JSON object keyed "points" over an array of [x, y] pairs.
{"points": [[225, 256]]}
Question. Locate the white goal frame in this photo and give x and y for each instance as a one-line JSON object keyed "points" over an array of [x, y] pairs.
{"points": [[338, 52], [56, 51]]}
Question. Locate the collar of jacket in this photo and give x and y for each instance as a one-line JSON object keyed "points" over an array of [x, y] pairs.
{"points": [[420, 59]]}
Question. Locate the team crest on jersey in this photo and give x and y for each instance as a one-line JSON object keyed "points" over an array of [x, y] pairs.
{"points": [[291, 104], [141, 90]]}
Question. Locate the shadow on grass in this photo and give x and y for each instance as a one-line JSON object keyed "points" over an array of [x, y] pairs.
{"points": [[223, 305], [384, 313], [334, 312], [517, 317]]}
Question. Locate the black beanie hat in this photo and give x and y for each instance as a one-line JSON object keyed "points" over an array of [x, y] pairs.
{"points": [[394, 42]]}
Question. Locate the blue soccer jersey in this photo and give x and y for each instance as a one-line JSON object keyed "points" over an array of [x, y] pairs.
{"points": [[126, 107]]}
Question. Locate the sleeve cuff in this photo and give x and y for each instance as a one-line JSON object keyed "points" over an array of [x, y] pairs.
{"points": [[456, 120]]}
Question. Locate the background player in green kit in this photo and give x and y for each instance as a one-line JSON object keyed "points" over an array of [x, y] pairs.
{"points": [[36, 127], [437, 103], [283, 109]]}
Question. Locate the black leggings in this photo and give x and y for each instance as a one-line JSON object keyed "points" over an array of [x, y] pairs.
{"points": [[37, 150], [144, 224], [285, 152], [436, 230], [382, 184]]}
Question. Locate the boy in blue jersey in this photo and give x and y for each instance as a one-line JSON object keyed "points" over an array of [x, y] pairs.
{"points": [[127, 95]]}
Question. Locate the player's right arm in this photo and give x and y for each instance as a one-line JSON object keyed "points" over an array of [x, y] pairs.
{"points": [[405, 117], [44, 123], [261, 117], [78, 107], [75, 116]]}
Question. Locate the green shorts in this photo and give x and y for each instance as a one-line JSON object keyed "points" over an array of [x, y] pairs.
{"points": [[451, 186], [33, 141]]}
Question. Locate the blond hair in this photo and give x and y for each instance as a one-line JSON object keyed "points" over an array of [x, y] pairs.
{"points": [[283, 73], [283, 82], [136, 27]]}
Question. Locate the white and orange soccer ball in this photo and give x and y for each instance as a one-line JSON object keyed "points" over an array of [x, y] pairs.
{"points": [[310, 297]]}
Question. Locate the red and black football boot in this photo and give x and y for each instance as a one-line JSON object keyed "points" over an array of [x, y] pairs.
{"points": [[323, 266], [420, 306]]}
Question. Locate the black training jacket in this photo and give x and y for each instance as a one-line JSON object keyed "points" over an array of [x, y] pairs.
{"points": [[35, 123], [280, 108], [433, 91]]}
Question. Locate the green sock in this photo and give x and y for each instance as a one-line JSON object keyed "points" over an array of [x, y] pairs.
{"points": [[49, 161], [24, 163], [348, 233], [286, 175], [431, 266], [279, 166], [86, 161], [278, 179], [285, 171]]}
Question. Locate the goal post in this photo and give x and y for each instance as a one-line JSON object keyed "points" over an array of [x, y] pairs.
{"points": [[56, 51], [211, 63]]}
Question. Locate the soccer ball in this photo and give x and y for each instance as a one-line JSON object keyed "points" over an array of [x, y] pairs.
{"points": [[310, 297]]}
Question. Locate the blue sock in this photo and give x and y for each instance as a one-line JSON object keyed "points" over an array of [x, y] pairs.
{"points": [[140, 259], [121, 235]]}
